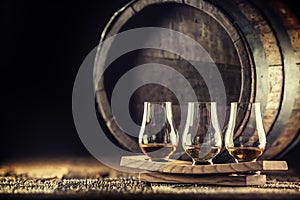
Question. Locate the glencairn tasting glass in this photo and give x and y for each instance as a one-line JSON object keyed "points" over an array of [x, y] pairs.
{"points": [[158, 138], [202, 139], [245, 137]]}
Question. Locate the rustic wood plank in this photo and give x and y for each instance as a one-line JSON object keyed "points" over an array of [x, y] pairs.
{"points": [[230, 180], [185, 167]]}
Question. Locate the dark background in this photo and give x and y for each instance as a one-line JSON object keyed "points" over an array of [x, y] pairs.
{"points": [[43, 45]]}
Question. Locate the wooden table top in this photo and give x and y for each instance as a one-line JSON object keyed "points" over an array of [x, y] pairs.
{"points": [[84, 178]]}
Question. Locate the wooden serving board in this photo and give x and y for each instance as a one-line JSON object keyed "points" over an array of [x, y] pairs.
{"points": [[176, 171], [229, 180], [185, 167]]}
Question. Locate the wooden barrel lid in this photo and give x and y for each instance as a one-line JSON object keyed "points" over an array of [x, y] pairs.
{"points": [[255, 49]]}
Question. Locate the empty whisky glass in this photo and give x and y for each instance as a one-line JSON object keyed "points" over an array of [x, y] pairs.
{"points": [[158, 137], [245, 137], [202, 139]]}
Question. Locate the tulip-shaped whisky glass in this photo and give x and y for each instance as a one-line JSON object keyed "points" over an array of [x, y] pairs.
{"points": [[201, 138], [158, 137], [245, 137]]}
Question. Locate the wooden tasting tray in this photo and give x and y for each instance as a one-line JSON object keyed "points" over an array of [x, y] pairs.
{"points": [[176, 171]]}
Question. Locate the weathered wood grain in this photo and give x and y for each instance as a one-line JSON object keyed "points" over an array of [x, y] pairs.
{"points": [[290, 132], [185, 167], [256, 40], [230, 180], [74, 178]]}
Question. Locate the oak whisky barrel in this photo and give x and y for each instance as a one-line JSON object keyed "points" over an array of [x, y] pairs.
{"points": [[255, 45]]}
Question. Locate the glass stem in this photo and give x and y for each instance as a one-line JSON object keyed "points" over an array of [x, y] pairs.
{"points": [[194, 162]]}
